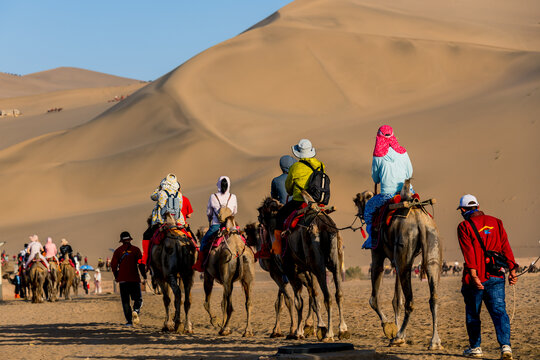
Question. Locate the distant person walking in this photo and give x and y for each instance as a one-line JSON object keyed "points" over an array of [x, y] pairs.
{"points": [[125, 266], [85, 278], [478, 234], [97, 282]]}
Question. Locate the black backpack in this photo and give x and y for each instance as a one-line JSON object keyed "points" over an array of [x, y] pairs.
{"points": [[318, 185]]}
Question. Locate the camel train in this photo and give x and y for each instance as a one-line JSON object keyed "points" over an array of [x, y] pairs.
{"points": [[313, 246]]}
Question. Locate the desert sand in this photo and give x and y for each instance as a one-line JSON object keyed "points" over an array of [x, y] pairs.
{"points": [[459, 81], [91, 326]]}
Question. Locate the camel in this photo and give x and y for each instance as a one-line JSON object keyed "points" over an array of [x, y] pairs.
{"points": [[67, 278], [52, 281], [402, 241], [37, 273], [231, 261], [171, 261], [255, 235], [314, 246]]}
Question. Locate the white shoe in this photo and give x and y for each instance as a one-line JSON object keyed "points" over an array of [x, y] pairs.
{"points": [[506, 352], [473, 352], [135, 317]]}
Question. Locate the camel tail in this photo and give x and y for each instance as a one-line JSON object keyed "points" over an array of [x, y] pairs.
{"points": [[406, 192], [340, 252]]}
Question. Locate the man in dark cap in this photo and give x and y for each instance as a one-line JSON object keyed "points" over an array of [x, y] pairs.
{"points": [[125, 267]]}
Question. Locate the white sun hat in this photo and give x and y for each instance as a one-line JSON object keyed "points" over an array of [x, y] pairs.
{"points": [[468, 201], [304, 149]]}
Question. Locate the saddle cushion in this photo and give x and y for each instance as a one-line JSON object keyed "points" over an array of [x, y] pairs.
{"points": [[383, 217], [218, 239], [292, 220]]}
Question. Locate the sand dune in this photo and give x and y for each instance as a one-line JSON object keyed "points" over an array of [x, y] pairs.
{"points": [[458, 82], [62, 78]]}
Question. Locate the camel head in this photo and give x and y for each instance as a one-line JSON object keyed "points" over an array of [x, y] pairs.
{"points": [[267, 212], [226, 218], [361, 200], [406, 193], [252, 231]]}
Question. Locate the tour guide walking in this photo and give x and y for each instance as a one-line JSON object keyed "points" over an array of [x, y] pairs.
{"points": [[480, 234], [125, 266]]}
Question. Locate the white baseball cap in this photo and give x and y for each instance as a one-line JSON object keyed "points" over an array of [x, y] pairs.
{"points": [[468, 201]]}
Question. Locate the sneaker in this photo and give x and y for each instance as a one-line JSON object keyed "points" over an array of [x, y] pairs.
{"points": [[506, 352], [135, 316], [473, 352], [128, 324]]}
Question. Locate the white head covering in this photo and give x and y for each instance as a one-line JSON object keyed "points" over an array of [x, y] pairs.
{"points": [[170, 183], [303, 149]]}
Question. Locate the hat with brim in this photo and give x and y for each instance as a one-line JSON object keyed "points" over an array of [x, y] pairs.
{"points": [[125, 236], [303, 149], [467, 201]]}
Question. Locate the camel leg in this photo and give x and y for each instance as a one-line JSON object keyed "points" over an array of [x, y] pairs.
{"points": [[343, 331], [433, 267], [208, 286], [173, 283], [166, 303], [314, 309], [405, 279], [397, 301], [276, 331], [187, 280], [298, 304], [377, 271], [246, 284], [226, 307], [321, 276]]}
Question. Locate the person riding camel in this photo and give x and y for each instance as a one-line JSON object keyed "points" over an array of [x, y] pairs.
{"points": [[35, 248], [222, 198], [168, 200], [390, 167], [277, 189], [65, 249], [297, 180], [51, 250]]}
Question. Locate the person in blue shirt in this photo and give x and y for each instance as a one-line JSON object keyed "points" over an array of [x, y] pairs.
{"points": [[277, 189], [390, 167]]}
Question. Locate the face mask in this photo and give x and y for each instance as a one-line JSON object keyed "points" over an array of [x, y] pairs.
{"points": [[468, 214]]}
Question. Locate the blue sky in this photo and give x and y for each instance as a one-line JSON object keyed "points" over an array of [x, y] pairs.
{"points": [[136, 39]]}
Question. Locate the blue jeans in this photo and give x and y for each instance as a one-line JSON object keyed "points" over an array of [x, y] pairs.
{"points": [[372, 206], [212, 230], [493, 297]]}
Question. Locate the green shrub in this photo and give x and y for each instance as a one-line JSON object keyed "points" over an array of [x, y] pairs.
{"points": [[354, 273]]}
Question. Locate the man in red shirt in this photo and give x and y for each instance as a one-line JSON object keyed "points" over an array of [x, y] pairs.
{"points": [[125, 267], [478, 284]]}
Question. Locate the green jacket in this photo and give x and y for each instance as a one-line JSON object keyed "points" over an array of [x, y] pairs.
{"points": [[299, 174]]}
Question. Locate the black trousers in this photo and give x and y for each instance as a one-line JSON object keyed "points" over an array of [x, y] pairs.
{"points": [[130, 290], [285, 211]]}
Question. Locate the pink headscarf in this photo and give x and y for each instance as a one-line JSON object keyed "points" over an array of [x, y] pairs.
{"points": [[386, 139]]}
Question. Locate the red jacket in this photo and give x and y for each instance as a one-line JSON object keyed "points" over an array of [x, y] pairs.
{"points": [[494, 238], [124, 263]]}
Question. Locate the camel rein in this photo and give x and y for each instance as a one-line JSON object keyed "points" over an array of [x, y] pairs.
{"points": [[514, 287]]}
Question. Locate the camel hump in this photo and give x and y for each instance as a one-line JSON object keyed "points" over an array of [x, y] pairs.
{"points": [[406, 192]]}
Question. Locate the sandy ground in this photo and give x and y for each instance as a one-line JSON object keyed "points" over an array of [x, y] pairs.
{"points": [[90, 326]]}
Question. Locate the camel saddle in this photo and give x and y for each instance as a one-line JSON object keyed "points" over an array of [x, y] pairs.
{"points": [[394, 208], [223, 233]]}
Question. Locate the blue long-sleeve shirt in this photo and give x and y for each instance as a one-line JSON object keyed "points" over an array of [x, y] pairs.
{"points": [[391, 171]]}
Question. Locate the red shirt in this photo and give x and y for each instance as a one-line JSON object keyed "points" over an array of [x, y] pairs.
{"points": [[493, 236], [186, 207], [124, 263]]}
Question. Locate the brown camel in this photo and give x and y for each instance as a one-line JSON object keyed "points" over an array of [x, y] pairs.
{"points": [[171, 265], [66, 278], [52, 281], [37, 273], [312, 247], [402, 241], [231, 261], [255, 235]]}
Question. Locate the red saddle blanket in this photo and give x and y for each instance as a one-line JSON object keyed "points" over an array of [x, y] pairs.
{"points": [[218, 240]]}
